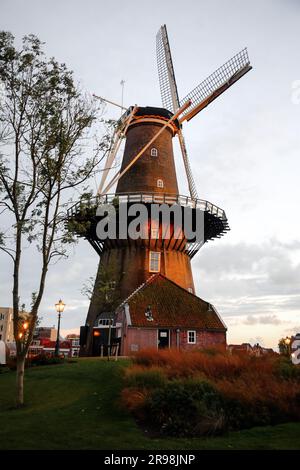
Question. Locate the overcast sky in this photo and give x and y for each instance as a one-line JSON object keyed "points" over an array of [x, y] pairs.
{"points": [[244, 148]]}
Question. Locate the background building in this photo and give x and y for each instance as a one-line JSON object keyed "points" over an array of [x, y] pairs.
{"points": [[45, 332], [45, 345], [7, 324]]}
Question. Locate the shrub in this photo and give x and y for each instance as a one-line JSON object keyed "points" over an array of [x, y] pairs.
{"points": [[43, 360], [134, 401], [209, 391], [186, 408], [286, 370], [141, 377], [39, 360], [212, 363]]}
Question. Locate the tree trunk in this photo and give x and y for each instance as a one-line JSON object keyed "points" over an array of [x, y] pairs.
{"points": [[20, 381]]}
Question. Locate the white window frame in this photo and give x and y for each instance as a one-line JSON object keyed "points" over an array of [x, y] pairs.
{"points": [[154, 264], [154, 152], [195, 336], [160, 183]]}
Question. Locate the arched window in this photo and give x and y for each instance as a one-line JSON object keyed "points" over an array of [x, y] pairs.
{"points": [[154, 152], [160, 183]]}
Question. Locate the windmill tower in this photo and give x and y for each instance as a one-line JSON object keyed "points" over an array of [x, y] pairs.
{"points": [[148, 176]]}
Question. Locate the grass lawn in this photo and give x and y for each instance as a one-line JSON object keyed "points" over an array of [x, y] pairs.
{"points": [[74, 406]]}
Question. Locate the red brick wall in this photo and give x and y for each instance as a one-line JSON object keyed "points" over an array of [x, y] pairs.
{"points": [[204, 339], [143, 338]]}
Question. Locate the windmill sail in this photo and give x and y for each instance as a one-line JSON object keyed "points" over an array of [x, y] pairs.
{"points": [[169, 95], [187, 166], [167, 82], [216, 83]]}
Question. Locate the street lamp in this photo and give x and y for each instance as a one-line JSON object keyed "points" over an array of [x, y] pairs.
{"points": [[288, 344], [60, 306]]}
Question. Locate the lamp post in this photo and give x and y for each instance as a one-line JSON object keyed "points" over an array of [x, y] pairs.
{"points": [[288, 344], [60, 306]]}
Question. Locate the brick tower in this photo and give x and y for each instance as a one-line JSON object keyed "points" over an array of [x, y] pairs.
{"points": [[131, 263]]}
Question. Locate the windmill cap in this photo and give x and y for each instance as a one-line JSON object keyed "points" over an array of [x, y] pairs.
{"points": [[155, 113]]}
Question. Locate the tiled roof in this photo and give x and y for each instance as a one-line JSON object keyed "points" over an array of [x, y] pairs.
{"points": [[171, 306]]}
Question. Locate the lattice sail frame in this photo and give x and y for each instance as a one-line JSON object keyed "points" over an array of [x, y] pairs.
{"points": [[169, 95], [166, 75], [217, 79], [201, 96]]}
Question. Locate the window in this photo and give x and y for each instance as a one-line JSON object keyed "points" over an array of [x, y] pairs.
{"points": [[190, 289], [148, 313], [191, 337], [154, 262], [160, 183], [154, 152], [104, 322]]}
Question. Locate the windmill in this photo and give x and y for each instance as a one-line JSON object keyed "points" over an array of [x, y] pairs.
{"points": [[148, 175], [200, 97]]}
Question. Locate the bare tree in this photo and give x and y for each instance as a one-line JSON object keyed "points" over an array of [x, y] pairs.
{"points": [[45, 121]]}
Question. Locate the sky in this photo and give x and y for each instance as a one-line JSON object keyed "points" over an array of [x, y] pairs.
{"points": [[243, 148]]}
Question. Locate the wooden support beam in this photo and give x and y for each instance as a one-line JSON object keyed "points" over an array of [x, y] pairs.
{"points": [[114, 149], [215, 94]]}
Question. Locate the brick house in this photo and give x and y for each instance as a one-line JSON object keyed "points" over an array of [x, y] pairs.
{"points": [[246, 349], [162, 314]]}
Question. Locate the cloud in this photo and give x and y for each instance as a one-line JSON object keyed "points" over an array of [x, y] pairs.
{"points": [[293, 330], [264, 320], [250, 279]]}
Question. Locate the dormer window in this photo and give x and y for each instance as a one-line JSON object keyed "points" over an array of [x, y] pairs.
{"points": [[154, 152], [148, 313], [160, 183]]}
